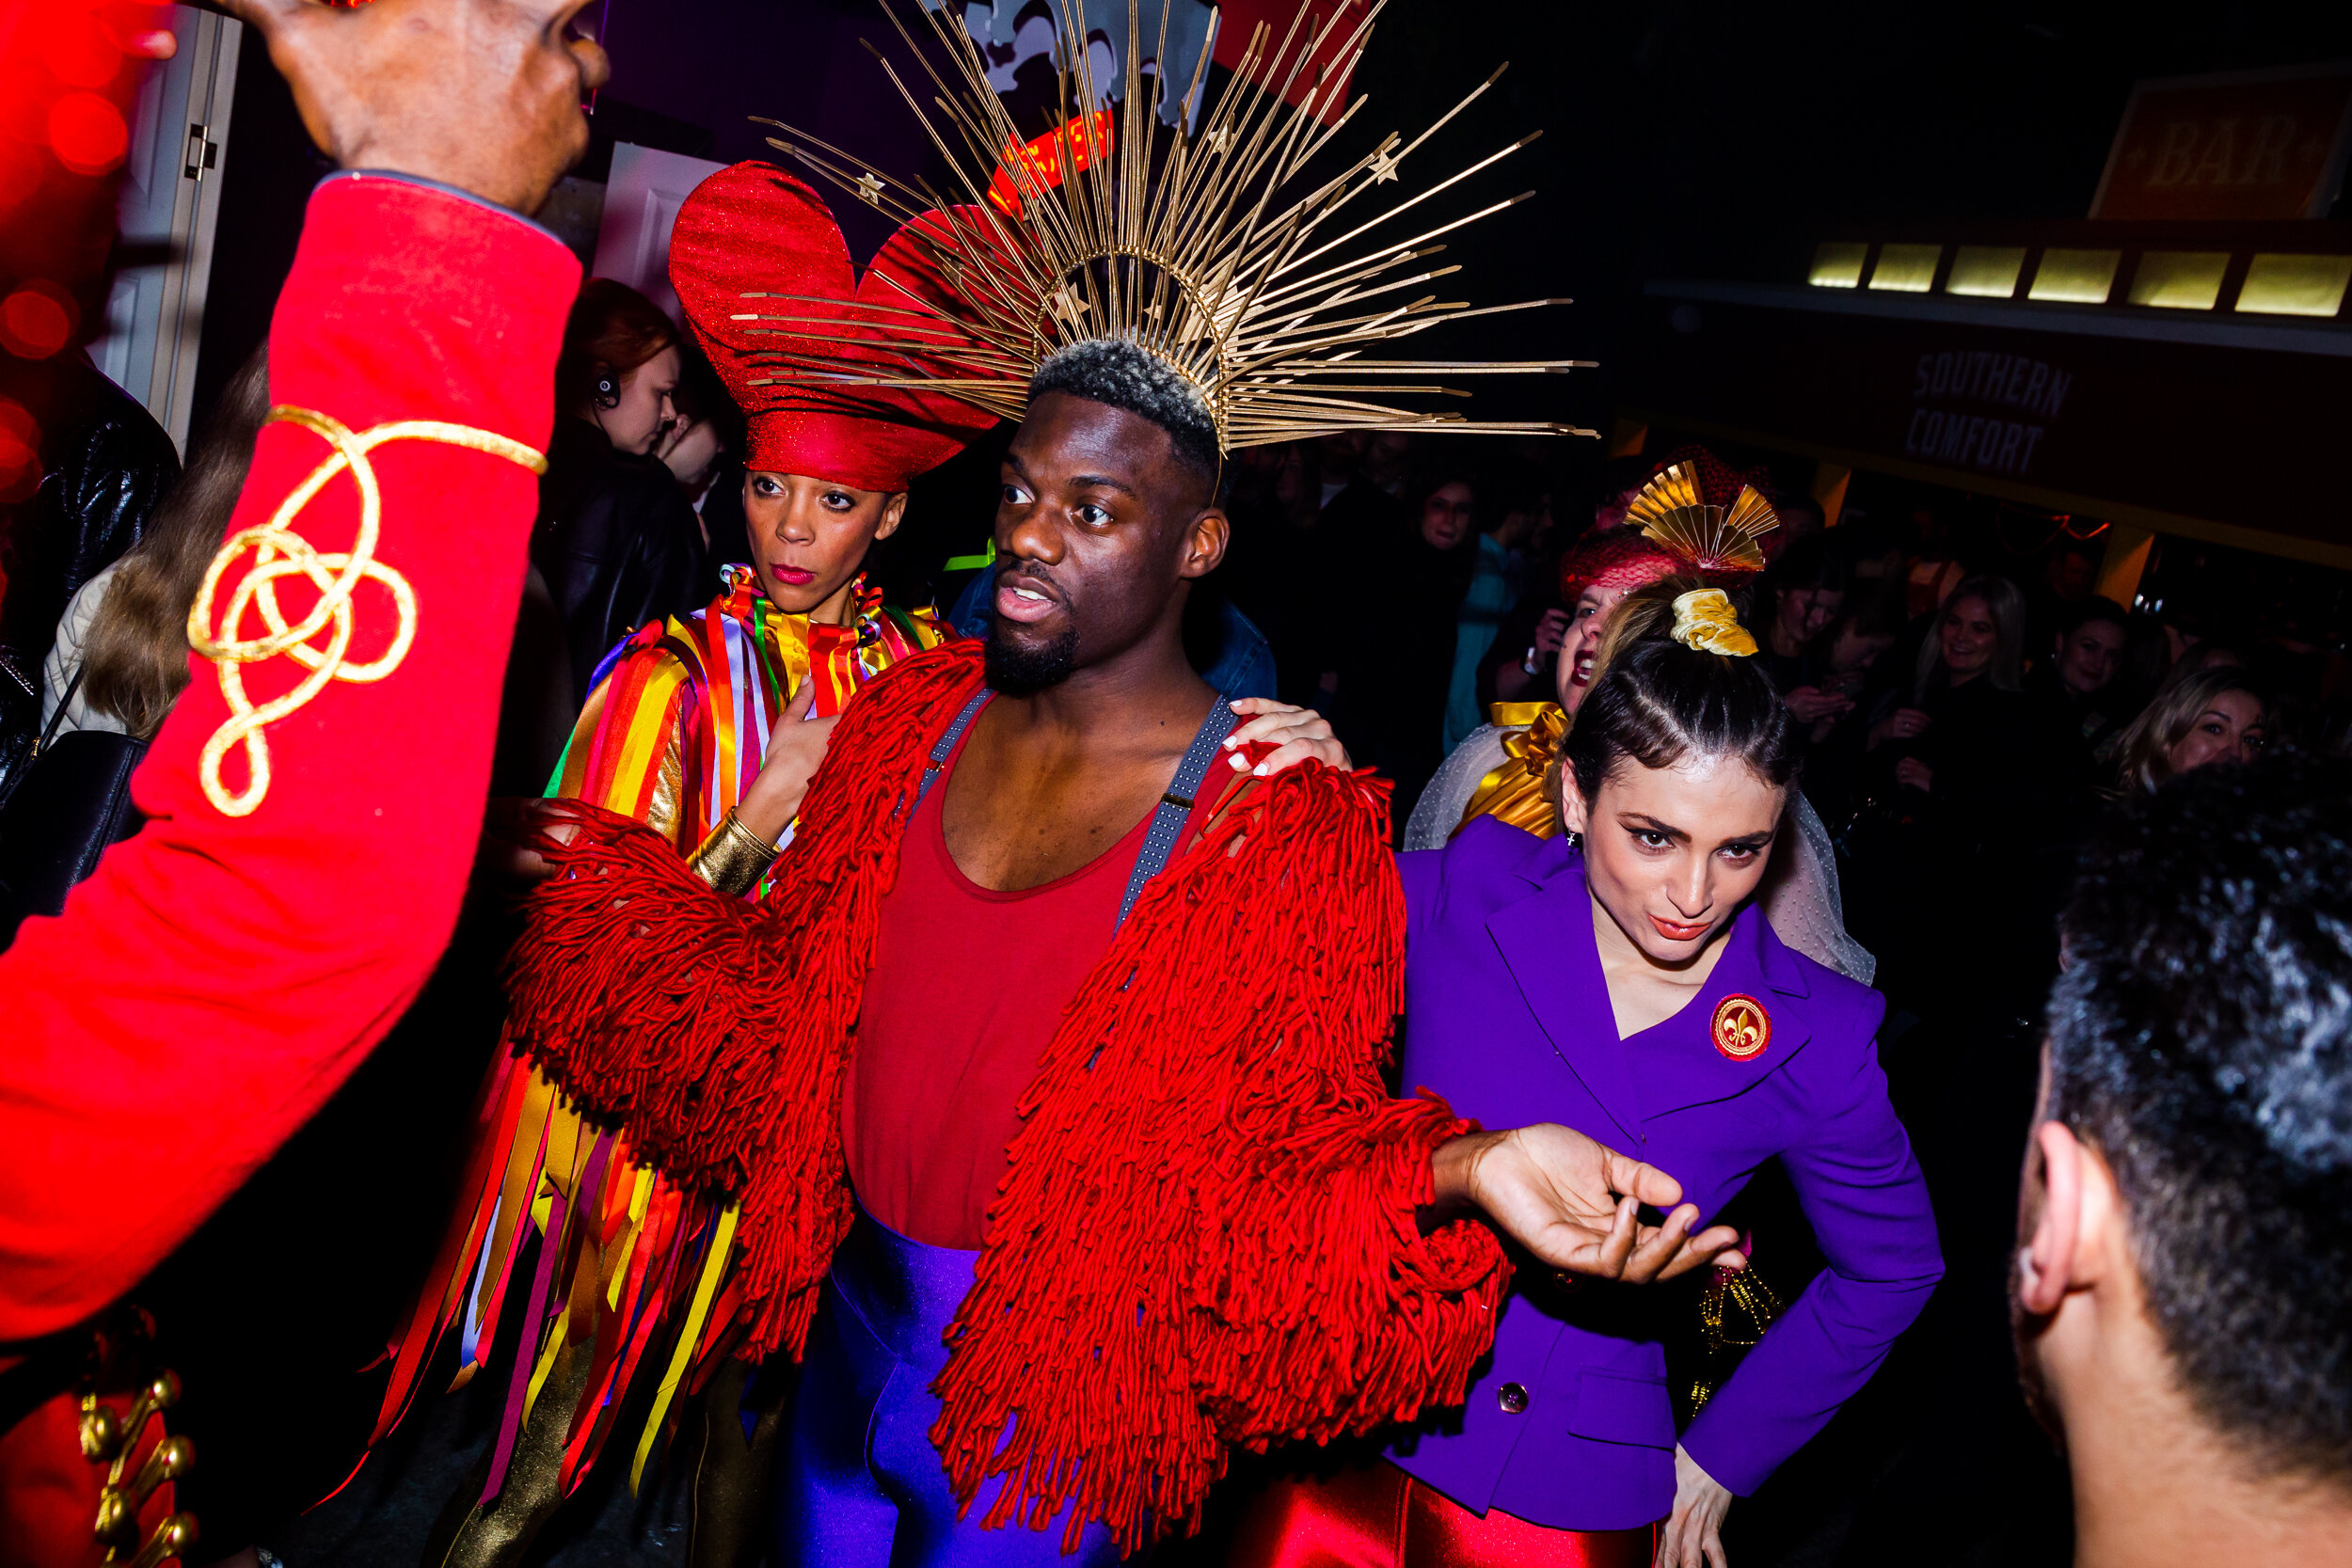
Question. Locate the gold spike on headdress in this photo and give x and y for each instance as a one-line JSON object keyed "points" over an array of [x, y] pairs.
{"points": [[1183, 252], [1707, 538]]}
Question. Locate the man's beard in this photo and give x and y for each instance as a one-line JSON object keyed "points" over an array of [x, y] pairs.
{"points": [[1017, 670]]}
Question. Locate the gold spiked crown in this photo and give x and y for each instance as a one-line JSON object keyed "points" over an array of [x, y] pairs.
{"points": [[1179, 248], [1673, 511]]}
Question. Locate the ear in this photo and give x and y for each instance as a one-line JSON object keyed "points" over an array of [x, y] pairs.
{"points": [[1205, 541], [1575, 815], [2074, 1235], [894, 513]]}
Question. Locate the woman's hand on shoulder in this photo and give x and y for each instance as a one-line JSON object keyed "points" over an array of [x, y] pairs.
{"points": [[796, 749], [1575, 1203], [1693, 1536], [1297, 733]]}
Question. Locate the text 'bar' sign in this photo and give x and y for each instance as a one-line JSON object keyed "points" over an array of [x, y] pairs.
{"points": [[2242, 147]]}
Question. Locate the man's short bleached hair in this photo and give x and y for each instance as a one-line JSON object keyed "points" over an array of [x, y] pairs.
{"points": [[1115, 372]]}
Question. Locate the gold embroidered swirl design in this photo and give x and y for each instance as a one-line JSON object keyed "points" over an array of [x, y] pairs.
{"points": [[280, 552]]}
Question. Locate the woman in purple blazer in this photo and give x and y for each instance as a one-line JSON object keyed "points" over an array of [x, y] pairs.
{"points": [[1623, 981]]}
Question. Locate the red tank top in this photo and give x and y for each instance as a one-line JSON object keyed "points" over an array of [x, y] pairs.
{"points": [[967, 986]]}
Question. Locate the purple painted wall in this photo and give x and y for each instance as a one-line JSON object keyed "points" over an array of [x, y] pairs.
{"points": [[716, 63]]}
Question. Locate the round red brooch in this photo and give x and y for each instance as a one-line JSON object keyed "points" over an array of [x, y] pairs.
{"points": [[1742, 1028]]}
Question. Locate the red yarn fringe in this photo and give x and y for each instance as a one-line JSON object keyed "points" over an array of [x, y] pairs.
{"points": [[1207, 1234], [717, 1030]]}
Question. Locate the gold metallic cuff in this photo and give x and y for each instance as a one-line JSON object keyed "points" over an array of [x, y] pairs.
{"points": [[733, 858]]}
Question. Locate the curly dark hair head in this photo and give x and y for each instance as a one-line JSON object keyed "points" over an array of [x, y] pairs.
{"points": [[1115, 372], [2200, 1037], [1658, 703]]}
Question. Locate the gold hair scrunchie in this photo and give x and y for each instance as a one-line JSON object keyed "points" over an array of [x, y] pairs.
{"points": [[1705, 620], [278, 552]]}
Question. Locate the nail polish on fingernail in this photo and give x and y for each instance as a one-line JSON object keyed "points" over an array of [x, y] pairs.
{"points": [[1260, 770]]}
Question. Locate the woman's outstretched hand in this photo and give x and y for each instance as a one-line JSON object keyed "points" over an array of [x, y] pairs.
{"points": [[1693, 1536], [1297, 733], [1574, 1203]]}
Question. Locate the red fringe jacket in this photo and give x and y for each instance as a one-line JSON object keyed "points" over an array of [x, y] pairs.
{"points": [[1207, 1234]]}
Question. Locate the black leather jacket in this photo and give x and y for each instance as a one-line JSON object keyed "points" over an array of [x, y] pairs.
{"points": [[617, 544], [104, 464], [102, 473]]}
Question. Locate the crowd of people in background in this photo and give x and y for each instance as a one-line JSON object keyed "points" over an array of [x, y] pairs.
{"points": [[1969, 718]]}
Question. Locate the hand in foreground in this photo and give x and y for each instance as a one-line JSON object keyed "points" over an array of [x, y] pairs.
{"points": [[1914, 774], [796, 749], [1297, 734], [1807, 704], [1693, 1536], [1551, 632], [1572, 1202], [483, 95], [1902, 724]]}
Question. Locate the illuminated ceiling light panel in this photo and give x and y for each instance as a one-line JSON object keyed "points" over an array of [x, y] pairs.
{"points": [[2296, 285], [1838, 264], [2180, 280], [1986, 271], [2075, 276], [1908, 269]]}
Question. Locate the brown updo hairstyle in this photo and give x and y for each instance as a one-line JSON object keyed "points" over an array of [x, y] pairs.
{"points": [[611, 328], [1658, 703]]}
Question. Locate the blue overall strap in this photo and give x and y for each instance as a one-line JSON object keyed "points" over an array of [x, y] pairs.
{"points": [[946, 746], [1168, 816]]}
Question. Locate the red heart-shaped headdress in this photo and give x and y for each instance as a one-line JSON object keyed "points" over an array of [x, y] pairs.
{"points": [[759, 265]]}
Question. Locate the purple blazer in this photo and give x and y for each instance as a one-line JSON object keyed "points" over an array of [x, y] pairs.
{"points": [[1568, 1423]]}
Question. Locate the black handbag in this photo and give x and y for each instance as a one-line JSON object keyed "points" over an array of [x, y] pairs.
{"points": [[72, 800]]}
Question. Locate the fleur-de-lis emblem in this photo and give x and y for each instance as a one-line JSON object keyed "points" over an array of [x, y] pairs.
{"points": [[1742, 1028]]}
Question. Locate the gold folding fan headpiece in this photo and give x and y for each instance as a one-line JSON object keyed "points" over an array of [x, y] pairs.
{"points": [[1182, 250], [1671, 510]]}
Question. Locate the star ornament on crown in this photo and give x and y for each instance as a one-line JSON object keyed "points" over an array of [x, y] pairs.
{"points": [[1187, 246]]}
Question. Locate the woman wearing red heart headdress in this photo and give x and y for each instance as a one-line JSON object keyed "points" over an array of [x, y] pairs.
{"points": [[708, 729]]}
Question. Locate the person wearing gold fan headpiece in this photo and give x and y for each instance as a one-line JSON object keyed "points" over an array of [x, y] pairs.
{"points": [[1694, 516], [1622, 972], [1016, 1064]]}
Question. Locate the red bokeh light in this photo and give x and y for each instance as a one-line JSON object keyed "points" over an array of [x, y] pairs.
{"points": [[20, 452], [87, 132], [20, 177], [79, 53], [38, 320]]}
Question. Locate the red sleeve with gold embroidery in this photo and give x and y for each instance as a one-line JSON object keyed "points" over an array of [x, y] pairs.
{"points": [[223, 972]]}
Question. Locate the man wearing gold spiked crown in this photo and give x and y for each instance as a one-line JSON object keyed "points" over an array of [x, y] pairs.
{"points": [[1042, 1083]]}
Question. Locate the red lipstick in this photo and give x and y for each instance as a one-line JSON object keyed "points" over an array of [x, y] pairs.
{"points": [[1673, 932], [793, 575]]}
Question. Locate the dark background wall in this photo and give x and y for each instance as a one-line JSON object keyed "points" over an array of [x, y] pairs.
{"points": [[1682, 137]]}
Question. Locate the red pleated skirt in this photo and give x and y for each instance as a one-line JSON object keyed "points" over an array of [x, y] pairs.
{"points": [[1380, 1517]]}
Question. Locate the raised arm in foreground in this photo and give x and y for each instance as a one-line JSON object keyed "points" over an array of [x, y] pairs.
{"points": [[226, 970]]}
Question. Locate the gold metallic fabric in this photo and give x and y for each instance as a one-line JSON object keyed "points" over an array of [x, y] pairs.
{"points": [[1705, 620], [733, 858], [1516, 792], [1706, 539], [473, 1534]]}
